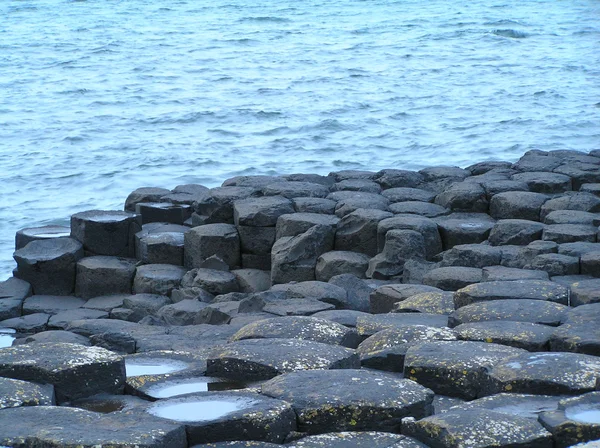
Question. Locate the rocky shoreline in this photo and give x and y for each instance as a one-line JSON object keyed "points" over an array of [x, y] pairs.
{"points": [[448, 307]]}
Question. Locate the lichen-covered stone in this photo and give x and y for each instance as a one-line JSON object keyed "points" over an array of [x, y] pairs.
{"points": [[259, 359], [520, 289], [384, 298], [15, 393], [525, 335], [75, 370], [427, 302], [454, 368], [371, 324], [478, 429], [350, 399], [359, 439]]}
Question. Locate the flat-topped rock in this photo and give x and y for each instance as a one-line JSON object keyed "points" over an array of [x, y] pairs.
{"points": [[158, 279], [77, 427], [296, 189], [260, 212], [454, 368], [544, 182], [543, 373], [49, 265], [51, 304], [207, 240], [300, 327], [365, 185], [425, 226], [384, 298], [371, 324], [478, 428], [160, 247], [103, 275], [517, 310], [519, 232], [526, 335], [296, 223], [338, 262], [106, 232], [471, 255], [392, 178], [359, 439], [221, 416], [519, 289], [75, 370], [296, 307], [521, 405], [357, 231], [144, 194], [314, 205], [408, 194], [216, 205], [503, 273], [25, 236], [15, 393], [30, 323], [470, 229], [452, 278], [585, 292], [427, 302], [580, 333], [54, 336], [350, 399], [517, 205], [260, 359]]}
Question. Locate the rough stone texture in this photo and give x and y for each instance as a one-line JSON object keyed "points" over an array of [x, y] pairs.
{"points": [[15, 393], [544, 182], [326, 292], [349, 201], [261, 359], [144, 194], [526, 335], [50, 304], [53, 426], [537, 163], [544, 373], [216, 282], [555, 264], [522, 405], [452, 278], [205, 241], [478, 428], [339, 262], [350, 400], [454, 368], [383, 299], [585, 292], [260, 212], [157, 278], [49, 265], [360, 439], [297, 223], [518, 310], [425, 226], [370, 324], [570, 233], [408, 194], [426, 209], [299, 327], [257, 417], [590, 264], [106, 232], [25, 236], [295, 258], [427, 302], [391, 178], [520, 289], [400, 246], [502, 273], [517, 205], [471, 229], [357, 231], [12, 294], [572, 217], [160, 247], [464, 197], [519, 232], [252, 280], [31, 323], [144, 305], [580, 201], [296, 189], [216, 205], [74, 370], [163, 211], [314, 205], [364, 185], [102, 275], [471, 255], [54, 336]]}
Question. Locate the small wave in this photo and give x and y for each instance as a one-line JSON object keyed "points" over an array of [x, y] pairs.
{"points": [[508, 32], [503, 22], [263, 19], [186, 118]]}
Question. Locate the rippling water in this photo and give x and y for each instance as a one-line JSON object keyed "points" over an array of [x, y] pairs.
{"points": [[100, 97]]}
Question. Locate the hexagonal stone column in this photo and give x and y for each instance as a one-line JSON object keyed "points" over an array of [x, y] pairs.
{"points": [[480, 428], [15, 393], [12, 294], [49, 265], [260, 359], [102, 275], [205, 241], [356, 400], [106, 232], [454, 368], [221, 416], [75, 370], [25, 236]]}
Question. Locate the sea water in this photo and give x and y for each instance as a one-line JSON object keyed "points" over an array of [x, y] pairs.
{"points": [[99, 97]]}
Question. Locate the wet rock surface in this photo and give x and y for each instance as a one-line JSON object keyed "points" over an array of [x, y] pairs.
{"points": [[351, 298]]}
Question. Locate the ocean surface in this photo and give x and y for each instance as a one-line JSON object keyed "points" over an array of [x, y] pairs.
{"points": [[100, 97]]}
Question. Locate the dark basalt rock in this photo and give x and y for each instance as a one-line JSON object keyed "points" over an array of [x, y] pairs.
{"points": [[357, 293], [103, 275], [520, 289], [371, 324], [326, 292], [537, 163], [216, 205], [426, 209], [480, 428], [580, 333], [260, 212], [590, 264], [174, 213], [160, 247], [296, 189], [576, 420], [350, 399], [300, 327], [362, 439], [517, 310], [50, 304], [30, 323], [520, 405], [471, 255], [15, 393], [454, 368], [364, 185], [519, 232], [106, 232], [357, 231], [585, 292], [339, 262], [427, 302], [525, 335], [425, 226], [385, 350], [504, 274], [215, 281], [54, 336], [296, 223], [144, 194], [158, 279], [544, 182], [345, 317], [408, 194], [391, 178], [543, 373], [384, 298], [49, 265], [260, 359], [572, 217], [466, 229], [75, 371], [205, 241], [37, 426], [12, 294], [25, 236], [296, 307], [555, 264], [464, 197], [569, 233], [314, 205], [162, 364], [517, 205], [452, 278], [580, 201]]}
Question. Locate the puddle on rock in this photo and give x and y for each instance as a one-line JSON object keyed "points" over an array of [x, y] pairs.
{"points": [[7, 336], [180, 387], [153, 366], [101, 406], [584, 414], [200, 410]]}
